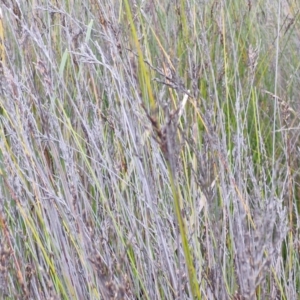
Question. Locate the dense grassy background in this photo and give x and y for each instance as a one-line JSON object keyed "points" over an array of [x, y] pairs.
{"points": [[149, 149]]}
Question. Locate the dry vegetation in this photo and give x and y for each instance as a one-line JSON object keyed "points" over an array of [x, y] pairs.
{"points": [[149, 149]]}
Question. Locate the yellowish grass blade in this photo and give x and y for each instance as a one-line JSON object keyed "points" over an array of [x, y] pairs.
{"points": [[2, 46]]}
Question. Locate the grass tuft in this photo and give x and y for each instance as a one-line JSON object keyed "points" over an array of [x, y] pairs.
{"points": [[149, 149]]}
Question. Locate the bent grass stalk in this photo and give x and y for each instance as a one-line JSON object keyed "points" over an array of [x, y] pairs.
{"points": [[193, 281]]}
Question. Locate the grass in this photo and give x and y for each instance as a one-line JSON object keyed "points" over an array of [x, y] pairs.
{"points": [[149, 150]]}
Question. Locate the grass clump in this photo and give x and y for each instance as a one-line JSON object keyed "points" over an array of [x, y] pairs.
{"points": [[149, 150]]}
